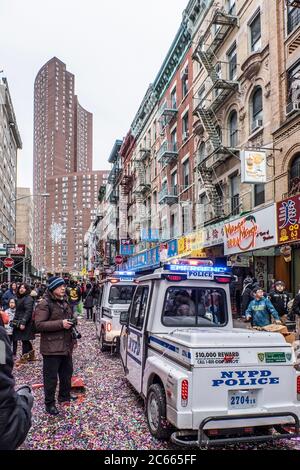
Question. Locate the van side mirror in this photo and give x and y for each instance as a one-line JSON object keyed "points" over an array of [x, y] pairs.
{"points": [[124, 318]]}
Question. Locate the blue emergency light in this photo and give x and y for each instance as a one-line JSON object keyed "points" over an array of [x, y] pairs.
{"points": [[194, 267], [124, 273]]}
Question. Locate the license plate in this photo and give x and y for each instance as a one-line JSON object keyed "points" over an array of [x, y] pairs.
{"points": [[241, 399]]}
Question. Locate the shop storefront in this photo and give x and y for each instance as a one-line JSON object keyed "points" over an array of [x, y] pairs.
{"points": [[250, 247], [288, 231]]}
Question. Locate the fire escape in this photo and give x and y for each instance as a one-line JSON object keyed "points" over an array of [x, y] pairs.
{"points": [[218, 88]]}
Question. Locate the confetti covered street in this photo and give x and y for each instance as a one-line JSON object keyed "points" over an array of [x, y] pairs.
{"points": [[109, 415]]}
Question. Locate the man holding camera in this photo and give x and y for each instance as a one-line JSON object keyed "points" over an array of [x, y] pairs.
{"points": [[54, 320], [15, 406]]}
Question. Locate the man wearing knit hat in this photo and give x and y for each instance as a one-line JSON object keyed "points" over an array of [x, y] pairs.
{"points": [[52, 317]]}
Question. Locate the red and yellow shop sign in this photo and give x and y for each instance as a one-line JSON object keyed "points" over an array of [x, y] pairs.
{"points": [[288, 220], [255, 231]]}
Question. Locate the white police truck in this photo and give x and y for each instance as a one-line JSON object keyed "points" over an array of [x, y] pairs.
{"points": [[204, 382], [115, 296]]}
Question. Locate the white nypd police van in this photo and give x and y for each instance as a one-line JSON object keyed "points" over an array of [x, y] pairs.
{"points": [[203, 381], [115, 296]]}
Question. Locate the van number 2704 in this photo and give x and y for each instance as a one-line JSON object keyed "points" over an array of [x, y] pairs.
{"points": [[241, 400]]}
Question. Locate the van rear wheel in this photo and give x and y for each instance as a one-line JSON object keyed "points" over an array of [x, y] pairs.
{"points": [[156, 413]]}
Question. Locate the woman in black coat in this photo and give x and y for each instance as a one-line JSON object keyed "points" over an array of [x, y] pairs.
{"points": [[23, 323]]}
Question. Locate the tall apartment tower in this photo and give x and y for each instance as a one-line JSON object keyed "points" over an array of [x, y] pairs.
{"points": [[63, 135]]}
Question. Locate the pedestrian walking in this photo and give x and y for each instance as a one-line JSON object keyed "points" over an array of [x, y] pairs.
{"points": [[11, 293], [52, 319], [260, 310], [88, 301], [15, 406], [249, 285], [74, 295], [280, 299], [11, 311], [23, 329]]}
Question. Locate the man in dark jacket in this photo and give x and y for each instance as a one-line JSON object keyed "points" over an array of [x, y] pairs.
{"points": [[52, 317], [15, 407], [280, 299]]}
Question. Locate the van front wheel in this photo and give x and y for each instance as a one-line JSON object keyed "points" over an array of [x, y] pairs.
{"points": [[156, 413]]}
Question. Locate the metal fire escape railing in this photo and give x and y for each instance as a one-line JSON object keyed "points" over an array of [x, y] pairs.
{"points": [[142, 186], [218, 88]]}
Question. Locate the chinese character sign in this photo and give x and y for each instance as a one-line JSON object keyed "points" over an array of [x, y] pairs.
{"points": [[288, 220]]}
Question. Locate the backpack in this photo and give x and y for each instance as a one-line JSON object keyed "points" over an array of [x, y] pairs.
{"points": [[74, 297]]}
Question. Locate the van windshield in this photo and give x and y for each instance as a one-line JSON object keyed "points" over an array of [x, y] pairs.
{"points": [[197, 306], [121, 294]]}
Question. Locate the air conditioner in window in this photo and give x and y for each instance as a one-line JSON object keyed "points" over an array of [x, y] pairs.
{"points": [[292, 107], [257, 124]]}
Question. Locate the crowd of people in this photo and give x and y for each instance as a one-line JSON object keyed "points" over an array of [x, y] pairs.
{"points": [[50, 310]]}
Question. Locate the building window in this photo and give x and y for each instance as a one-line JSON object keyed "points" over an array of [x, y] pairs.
{"points": [[234, 192], [202, 152], [293, 18], [185, 82], [231, 7], [172, 232], [259, 194], [174, 188], [255, 33], [173, 99], [203, 210], [185, 127], [232, 62], [174, 141], [233, 129], [186, 174], [293, 85], [294, 176], [257, 109]]}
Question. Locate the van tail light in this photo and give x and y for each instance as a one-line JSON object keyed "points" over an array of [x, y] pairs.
{"points": [[298, 386], [108, 327], [114, 281], [222, 280], [184, 392], [212, 432], [174, 278]]}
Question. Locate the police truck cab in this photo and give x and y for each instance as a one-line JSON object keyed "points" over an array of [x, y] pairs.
{"points": [[203, 381], [115, 296]]}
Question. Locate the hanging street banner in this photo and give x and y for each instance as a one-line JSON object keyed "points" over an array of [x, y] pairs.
{"points": [[254, 231], [288, 220], [253, 167]]}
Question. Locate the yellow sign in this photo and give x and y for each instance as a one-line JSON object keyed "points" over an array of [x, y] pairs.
{"points": [[181, 246], [83, 271]]}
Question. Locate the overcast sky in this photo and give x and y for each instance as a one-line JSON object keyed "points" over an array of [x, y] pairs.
{"points": [[114, 49]]}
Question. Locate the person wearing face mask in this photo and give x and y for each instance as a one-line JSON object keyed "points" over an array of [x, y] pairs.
{"points": [[280, 299], [23, 326], [52, 319]]}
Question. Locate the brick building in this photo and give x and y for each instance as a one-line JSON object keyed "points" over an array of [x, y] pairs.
{"points": [[62, 147], [10, 142]]}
